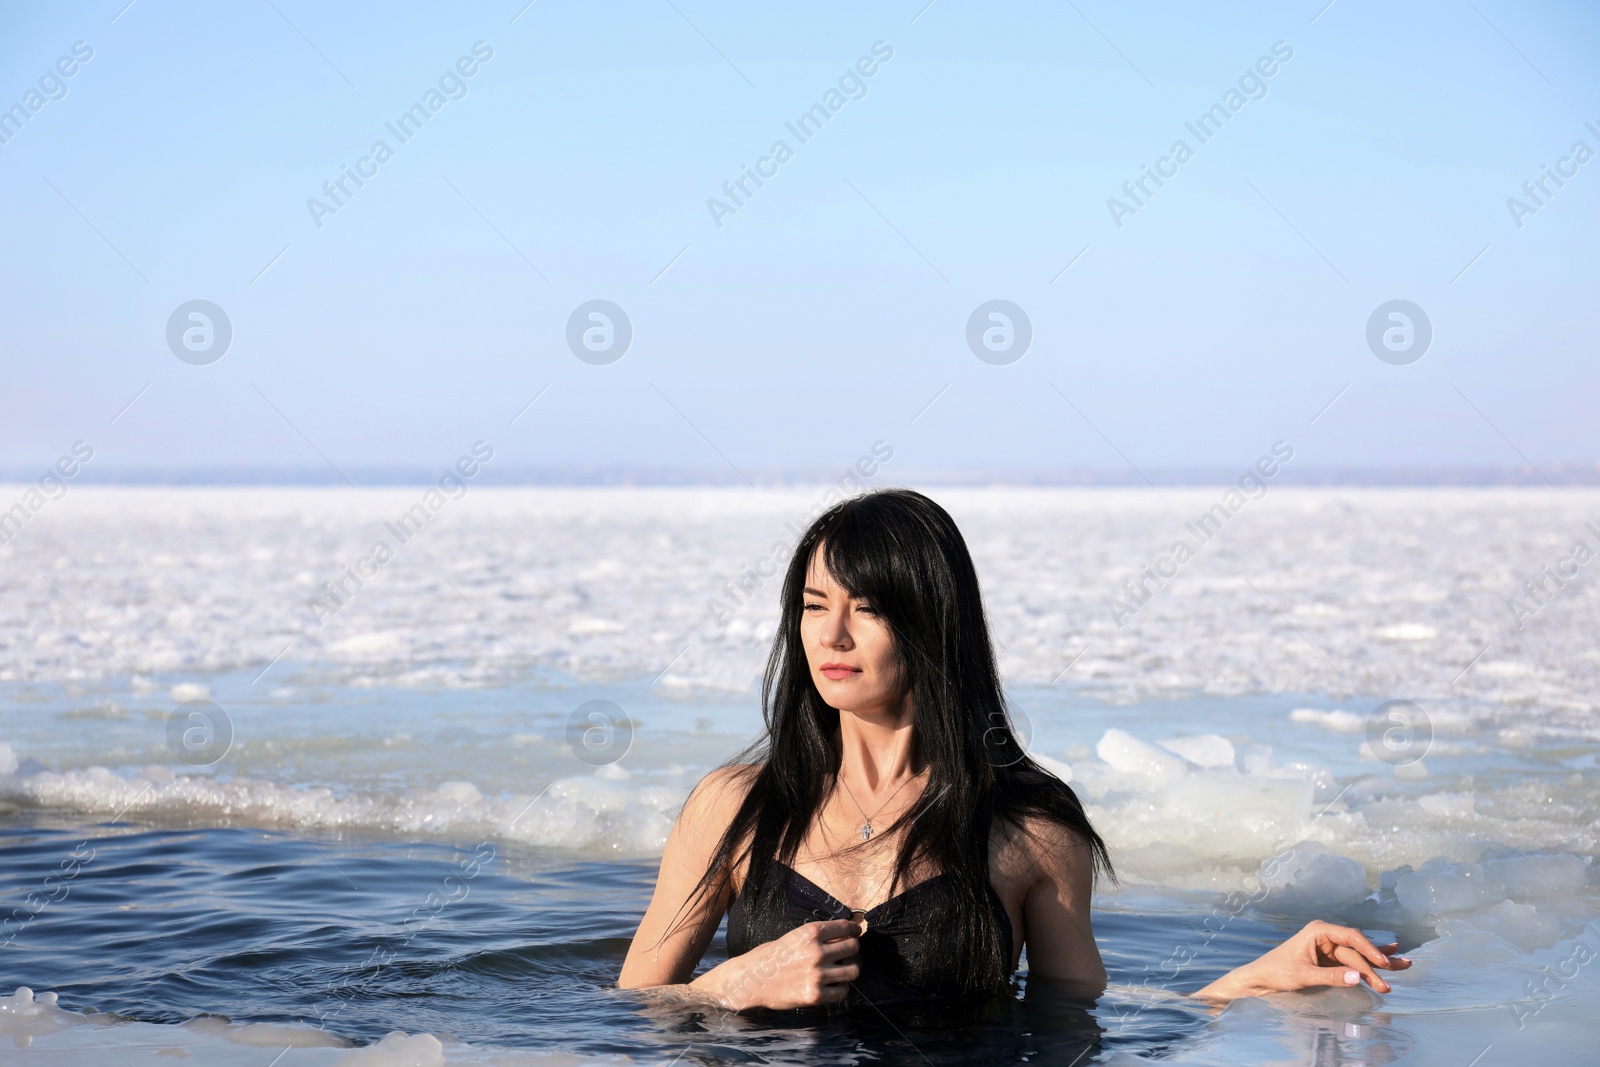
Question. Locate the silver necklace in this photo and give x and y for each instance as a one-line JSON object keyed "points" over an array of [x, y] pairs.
{"points": [[865, 829]]}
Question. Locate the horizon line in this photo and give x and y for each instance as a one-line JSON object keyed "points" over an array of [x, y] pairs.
{"points": [[1553, 473]]}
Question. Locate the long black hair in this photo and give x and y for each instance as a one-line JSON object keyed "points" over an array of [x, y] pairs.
{"points": [[902, 553]]}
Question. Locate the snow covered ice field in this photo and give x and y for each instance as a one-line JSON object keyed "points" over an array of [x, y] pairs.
{"points": [[1371, 705]]}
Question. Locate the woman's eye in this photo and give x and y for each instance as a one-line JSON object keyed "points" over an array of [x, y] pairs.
{"points": [[866, 609], [808, 607]]}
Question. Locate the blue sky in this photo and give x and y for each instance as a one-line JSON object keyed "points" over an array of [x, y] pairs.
{"points": [[827, 312]]}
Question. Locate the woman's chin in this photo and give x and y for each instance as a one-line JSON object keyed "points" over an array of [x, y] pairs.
{"points": [[846, 698]]}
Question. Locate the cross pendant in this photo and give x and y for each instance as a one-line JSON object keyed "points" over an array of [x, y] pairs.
{"points": [[866, 830]]}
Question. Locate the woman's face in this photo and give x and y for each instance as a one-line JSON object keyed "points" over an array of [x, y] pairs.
{"points": [[848, 646]]}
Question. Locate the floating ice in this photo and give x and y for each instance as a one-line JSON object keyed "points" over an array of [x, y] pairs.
{"points": [[1311, 877], [397, 1049], [606, 583], [1407, 631], [463, 793], [23, 1004], [1520, 925], [35, 1029], [1206, 750], [1344, 722], [586, 812], [1439, 888], [1531, 877], [24, 1016], [1138, 761]]}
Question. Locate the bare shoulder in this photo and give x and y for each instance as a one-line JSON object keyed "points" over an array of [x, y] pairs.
{"points": [[1035, 849], [718, 795], [1052, 872], [711, 806]]}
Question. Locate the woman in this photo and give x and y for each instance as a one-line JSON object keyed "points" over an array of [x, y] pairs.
{"points": [[887, 839]]}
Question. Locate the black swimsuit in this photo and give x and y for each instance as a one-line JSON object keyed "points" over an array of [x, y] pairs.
{"points": [[896, 961]]}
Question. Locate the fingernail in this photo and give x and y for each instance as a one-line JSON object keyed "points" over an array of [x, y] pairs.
{"points": [[1352, 977]]}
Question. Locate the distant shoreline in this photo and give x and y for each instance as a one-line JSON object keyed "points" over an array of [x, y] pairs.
{"points": [[1555, 473]]}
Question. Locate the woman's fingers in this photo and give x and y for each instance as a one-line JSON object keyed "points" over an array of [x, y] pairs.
{"points": [[1355, 962], [841, 972], [1329, 976], [1355, 942], [844, 948], [1396, 963], [833, 929], [833, 993], [1350, 938]]}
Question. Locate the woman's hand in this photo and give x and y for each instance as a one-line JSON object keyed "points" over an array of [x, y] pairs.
{"points": [[809, 965], [1321, 954]]}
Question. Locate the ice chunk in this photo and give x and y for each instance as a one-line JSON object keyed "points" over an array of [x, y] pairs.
{"points": [[24, 1016], [1344, 722], [583, 627], [1504, 668], [1206, 750], [158, 775], [1528, 877], [460, 792], [1145, 763], [1442, 888], [1256, 759], [1521, 925], [397, 1049], [22, 1003], [588, 812], [1448, 806], [1407, 631], [1220, 817], [1411, 772], [185, 691], [282, 1036], [367, 644], [8, 759], [1311, 877], [1321, 779]]}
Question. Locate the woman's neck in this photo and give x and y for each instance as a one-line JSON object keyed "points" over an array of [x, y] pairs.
{"points": [[875, 749]]}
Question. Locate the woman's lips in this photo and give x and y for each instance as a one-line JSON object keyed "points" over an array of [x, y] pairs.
{"points": [[835, 672]]}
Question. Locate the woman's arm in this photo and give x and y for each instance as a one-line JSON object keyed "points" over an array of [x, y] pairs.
{"points": [[672, 937], [1061, 943], [1058, 872], [812, 964], [1321, 954]]}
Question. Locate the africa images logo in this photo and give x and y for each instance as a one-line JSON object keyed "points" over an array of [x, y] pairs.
{"points": [[199, 332]]}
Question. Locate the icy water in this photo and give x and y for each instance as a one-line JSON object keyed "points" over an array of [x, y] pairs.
{"points": [[246, 905], [166, 926], [235, 827]]}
